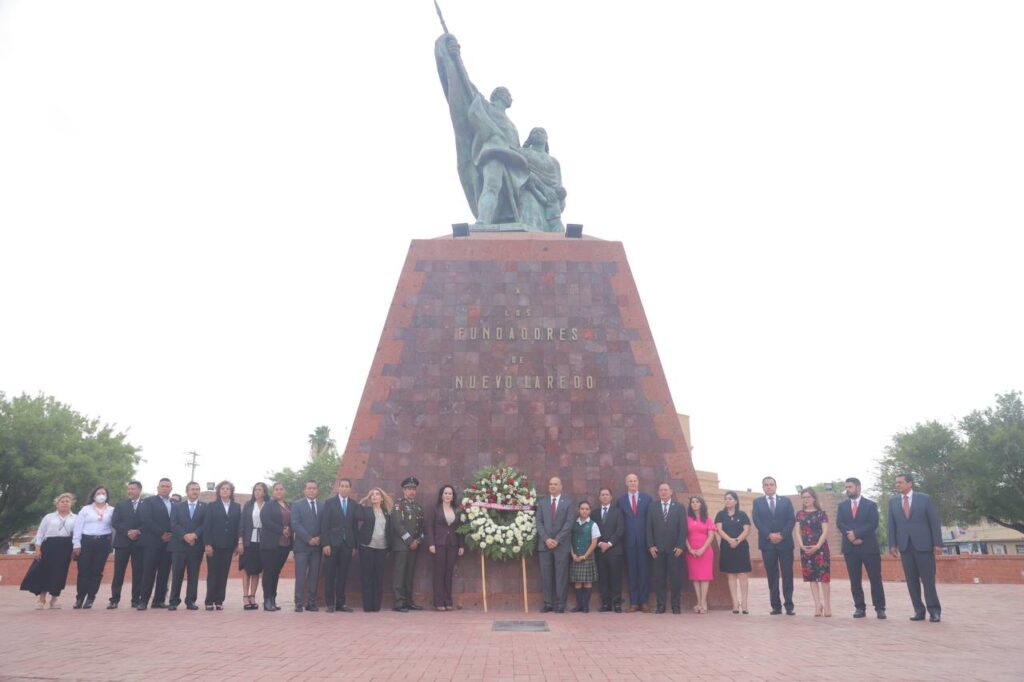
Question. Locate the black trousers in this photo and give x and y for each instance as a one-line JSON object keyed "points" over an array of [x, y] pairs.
{"points": [[91, 562], [779, 561], [217, 568], [609, 578], [182, 563], [336, 574], [873, 564], [156, 569], [667, 567], [919, 569], [273, 560], [402, 574], [122, 556], [371, 573], [444, 570]]}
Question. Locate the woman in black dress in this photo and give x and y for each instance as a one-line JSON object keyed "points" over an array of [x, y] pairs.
{"points": [[249, 561], [733, 526]]}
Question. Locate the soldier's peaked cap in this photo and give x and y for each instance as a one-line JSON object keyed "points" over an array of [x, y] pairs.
{"points": [[411, 482]]}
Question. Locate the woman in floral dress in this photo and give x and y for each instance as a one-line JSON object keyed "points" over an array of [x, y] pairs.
{"points": [[812, 528]]}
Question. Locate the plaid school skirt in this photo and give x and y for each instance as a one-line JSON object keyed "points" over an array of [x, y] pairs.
{"points": [[583, 571]]}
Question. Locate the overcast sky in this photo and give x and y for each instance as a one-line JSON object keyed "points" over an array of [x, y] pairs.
{"points": [[205, 206]]}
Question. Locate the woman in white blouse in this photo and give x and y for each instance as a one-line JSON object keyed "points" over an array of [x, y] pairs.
{"points": [[252, 527], [91, 541], [49, 573]]}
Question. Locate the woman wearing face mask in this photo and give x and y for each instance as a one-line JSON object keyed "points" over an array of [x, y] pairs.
{"points": [[49, 573], [92, 545]]}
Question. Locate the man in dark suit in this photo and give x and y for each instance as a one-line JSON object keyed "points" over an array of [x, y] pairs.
{"points": [[186, 547], [857, 520], [555, 516], [634, 505], [338, 533], [666, 542], [774, 519], [125, 523], [609, 551], [155, 523], [306, 528], [914, 532]]}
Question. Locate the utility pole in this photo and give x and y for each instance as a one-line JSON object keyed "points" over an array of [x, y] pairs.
{"points": [[191, 462]]}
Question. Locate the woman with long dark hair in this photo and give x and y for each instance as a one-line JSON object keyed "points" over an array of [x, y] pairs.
{"points": [[91, 545], [733, 526], [372, 536], [249, 561], [49, 572], [275, 543], [700, 560], [444, 544], [221, 527]]}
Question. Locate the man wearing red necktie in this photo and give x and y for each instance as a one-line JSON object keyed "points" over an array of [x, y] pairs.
{"points": [[915, 536], [555, 516], [857, 521], [634, 505]]}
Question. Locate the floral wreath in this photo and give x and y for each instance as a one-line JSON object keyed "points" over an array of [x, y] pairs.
{"points": [[499, 513]]}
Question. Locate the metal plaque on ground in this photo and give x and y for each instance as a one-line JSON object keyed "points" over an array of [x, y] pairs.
{"points": [[520, 626]]}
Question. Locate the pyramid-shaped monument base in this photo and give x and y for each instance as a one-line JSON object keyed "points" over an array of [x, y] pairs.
{"points": [[524, 349]]}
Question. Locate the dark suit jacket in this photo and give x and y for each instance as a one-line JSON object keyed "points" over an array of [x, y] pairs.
{"points": [[437, 530], [635, 526], [221, 528], [181, 524], [558, 527], [782, 521], [273, 526], [246, 529], [305, 525], [338, 529], [922, 531], [367, 520], [666, 534], [125, 518], [613, 528], [864, 527], [154, 521]]}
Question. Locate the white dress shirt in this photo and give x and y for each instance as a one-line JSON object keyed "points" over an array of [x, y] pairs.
{"points": [[92, 521], [54, 525]]}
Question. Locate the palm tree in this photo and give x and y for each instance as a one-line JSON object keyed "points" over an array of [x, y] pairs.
{"points": [[320, 442]]}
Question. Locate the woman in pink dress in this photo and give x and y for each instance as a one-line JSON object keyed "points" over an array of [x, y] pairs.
{"points": [[700, 560]]}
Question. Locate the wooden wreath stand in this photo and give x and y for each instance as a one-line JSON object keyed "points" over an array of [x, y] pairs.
{"points": [[483, 582]]}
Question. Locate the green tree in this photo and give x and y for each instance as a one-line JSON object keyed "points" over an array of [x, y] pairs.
{"points": [[47, 448], [973, 469], [322, 467]]}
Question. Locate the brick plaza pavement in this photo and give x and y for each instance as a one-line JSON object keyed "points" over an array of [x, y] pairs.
{"points": [[979, 638]]}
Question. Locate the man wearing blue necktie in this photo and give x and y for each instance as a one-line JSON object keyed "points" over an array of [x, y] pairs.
{"points": [[338, 533], [186, 547]]}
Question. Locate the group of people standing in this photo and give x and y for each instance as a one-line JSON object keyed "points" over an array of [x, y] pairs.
{"points": [[636, 535]]}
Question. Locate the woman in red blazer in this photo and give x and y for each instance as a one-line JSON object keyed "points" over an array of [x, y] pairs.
{"points": [[445, 544]]}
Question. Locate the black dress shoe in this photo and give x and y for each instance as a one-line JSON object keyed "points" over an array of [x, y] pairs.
{"points": [[547, 608], [935, 618], [172, 607], [676, 610], [559, 609], [618, 609], [113, 605], [191, 607], [859, 613], [659, 609], [312, 607], [400, 609], [577, 609], [776, 612], [298, 609], [159, 605], [268, 606], [791, 611], [604, 608], [917, 616], [414, 607], [880, 613], [343, 609], [88, 602], [78, 603], [329, 609], [140, 607]]}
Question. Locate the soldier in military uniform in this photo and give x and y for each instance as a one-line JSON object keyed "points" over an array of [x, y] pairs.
{"points": [[407, 525]]}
